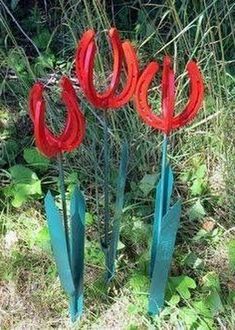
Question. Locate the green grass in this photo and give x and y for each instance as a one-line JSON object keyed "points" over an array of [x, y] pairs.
{"points": [[202, 156]]}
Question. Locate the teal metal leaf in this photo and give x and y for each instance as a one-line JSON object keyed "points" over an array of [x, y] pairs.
{"points": [[163, 257], [163, 195], [77, 212], [121, 182], [58, 242]]}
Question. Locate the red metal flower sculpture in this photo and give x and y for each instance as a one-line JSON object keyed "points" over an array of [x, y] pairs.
{"points": [[111, 98], [69, 256], [166, 217], [85, 57], [48, 143], [167, 121]]}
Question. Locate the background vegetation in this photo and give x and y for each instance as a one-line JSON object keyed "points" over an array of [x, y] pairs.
{"points": [[38, 41]]}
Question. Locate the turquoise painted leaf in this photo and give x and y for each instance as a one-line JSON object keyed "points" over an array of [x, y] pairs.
{"points": [[121, 182], [167, 190], [58, 242], [77, 212], [164, 253]]}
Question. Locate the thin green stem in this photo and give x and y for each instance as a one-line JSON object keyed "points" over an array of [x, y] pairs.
{"points": [[63, 199]]}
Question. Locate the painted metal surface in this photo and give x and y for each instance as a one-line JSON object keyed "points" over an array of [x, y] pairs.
{"points": [[121, 182], [69, 261], [165, 226], [77, 243]]}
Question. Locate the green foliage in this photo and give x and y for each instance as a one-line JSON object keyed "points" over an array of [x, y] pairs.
{"points": [[42, 38], [44, 63], [9, 151], [214, 303], [231, 255], [147, 183], [15, 61], [189, 317], [192, 260], [204, 236], [211, 282], [35, 159], [19, 64], [93, 253], [136, 232], [198, 181], [71, 181], [138, 283], [24, 184], [197, 211], [182, 285], [196, 177], [210, 304], [138, 306], [231, 297], [42, 239], [89, 219], [199, 313]]}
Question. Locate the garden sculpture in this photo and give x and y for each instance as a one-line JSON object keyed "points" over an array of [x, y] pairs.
{"points": [[110, 99], [166, 217], [68, 236]]}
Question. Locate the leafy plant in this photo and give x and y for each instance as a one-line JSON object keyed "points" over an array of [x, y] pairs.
{"points": [[138, 284], [93, 253], [182, 285], [35, 159], [198, 180], [147, 184], [41, 239], [24, 184], [197, 211], [196, 177]]}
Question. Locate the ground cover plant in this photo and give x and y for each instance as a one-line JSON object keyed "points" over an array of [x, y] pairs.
{"points": [[38, 41]]}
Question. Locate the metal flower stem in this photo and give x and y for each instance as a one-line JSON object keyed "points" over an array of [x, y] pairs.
{"points": [[160, 203], [163, 194], [109, 241], [63, 200], [165, 225], [106, 185]]}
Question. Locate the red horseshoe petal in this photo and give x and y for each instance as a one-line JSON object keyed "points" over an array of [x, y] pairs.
{"points": [[167, 121], [87, 37], [43, 142], [119, 100], [117, 63], [88, 78], [142, 106], [168, 94], [74, 131], [35, 95], [195, 97], [85, 65]]}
